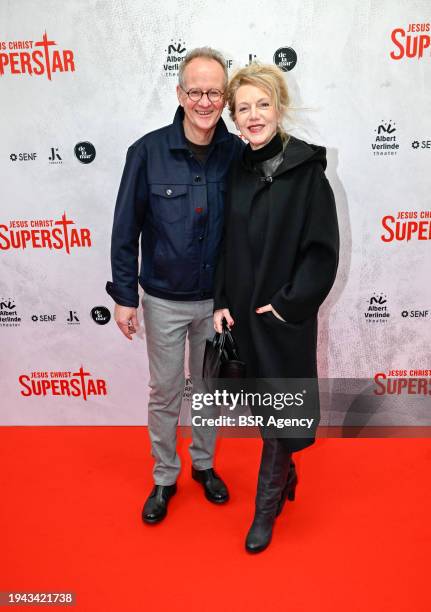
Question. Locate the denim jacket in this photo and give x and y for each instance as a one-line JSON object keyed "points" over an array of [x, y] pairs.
{"points": [[175, 206]]}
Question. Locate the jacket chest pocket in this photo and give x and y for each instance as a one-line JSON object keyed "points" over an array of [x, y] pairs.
{"points": [[169, 202]]}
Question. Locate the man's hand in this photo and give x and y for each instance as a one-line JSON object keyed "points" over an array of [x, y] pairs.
{"points": [[269, 308], [219, 315], [126, 319]]}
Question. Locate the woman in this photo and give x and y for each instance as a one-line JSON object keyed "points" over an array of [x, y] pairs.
{"points": [[277, 264]]}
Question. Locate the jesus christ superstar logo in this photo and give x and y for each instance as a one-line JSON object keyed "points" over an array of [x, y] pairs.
{"points": [[58, 234], [35, 58]]}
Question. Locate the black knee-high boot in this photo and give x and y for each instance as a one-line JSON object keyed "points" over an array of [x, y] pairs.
{"points": [[273, 476]]}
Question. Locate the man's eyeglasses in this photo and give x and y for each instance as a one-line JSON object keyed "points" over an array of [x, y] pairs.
{"points": [[195, 95]]}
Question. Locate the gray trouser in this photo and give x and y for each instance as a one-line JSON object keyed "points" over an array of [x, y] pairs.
{"points": [[167, 323]]}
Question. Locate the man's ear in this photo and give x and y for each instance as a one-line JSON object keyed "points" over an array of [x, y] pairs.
{"points": [[180, 94]]}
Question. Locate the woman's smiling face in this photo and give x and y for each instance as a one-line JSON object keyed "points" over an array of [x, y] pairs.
{"points": [[256, 116]]}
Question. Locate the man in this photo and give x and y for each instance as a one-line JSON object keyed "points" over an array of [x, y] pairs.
{"points": [[172, 196]]}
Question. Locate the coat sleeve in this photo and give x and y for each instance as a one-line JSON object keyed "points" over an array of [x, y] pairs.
{"points": [[128, 220], [317, 263], [220, 299]]}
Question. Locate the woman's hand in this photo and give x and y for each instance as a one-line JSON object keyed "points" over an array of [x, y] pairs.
{"points": [[219, 315], [269, 308]]}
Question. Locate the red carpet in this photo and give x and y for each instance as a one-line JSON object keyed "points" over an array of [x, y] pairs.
{"points": [[357, 538]]}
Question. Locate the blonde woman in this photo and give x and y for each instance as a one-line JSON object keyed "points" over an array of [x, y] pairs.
{"points": [[277, 264]]}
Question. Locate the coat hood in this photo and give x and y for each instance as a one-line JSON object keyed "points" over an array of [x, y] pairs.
{"points": [[299, 152]]}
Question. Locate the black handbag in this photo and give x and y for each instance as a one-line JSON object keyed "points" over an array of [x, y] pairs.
{"points": [[221, 358]]}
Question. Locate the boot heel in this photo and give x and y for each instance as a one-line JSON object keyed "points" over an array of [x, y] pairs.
{"points": [[292, 489], [291, 494]]}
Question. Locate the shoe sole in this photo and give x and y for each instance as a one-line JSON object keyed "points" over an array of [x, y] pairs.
{"points": [[153, 521], [217, 501], [254, 551]]}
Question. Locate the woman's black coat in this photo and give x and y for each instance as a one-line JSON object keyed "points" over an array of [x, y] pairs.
{"points": [[297, 264]]}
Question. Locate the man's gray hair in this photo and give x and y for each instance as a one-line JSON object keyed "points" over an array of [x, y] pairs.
{"points": [[207, 53]]}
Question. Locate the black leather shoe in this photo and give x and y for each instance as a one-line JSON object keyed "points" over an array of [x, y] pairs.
{"points": [[156, 506], [214, 487]]}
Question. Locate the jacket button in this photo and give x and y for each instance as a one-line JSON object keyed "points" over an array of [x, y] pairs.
{"points": [[201, 238], [168, 191], [197, 179]]}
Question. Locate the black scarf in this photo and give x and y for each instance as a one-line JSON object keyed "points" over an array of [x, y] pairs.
{"points": [[271, 149]]}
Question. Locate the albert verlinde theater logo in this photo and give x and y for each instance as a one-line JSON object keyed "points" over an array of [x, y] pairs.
{"points": [[385, 139], [175, 54]]}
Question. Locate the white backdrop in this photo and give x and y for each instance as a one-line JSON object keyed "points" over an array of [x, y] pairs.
{"points": [[348, 90]]}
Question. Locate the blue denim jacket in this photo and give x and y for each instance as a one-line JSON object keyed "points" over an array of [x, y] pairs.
{"points": [[175, 205]]}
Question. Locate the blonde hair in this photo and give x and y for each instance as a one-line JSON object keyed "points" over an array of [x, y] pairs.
{"points": [[267, 77]]}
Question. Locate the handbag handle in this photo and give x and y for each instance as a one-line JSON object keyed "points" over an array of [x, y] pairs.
{"points": [[220, 340]]}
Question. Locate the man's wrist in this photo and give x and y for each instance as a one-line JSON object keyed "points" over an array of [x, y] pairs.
{"points": [[122, 297]]}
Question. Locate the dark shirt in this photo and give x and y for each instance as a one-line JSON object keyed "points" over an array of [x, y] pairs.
{"points": [[199, 151]]}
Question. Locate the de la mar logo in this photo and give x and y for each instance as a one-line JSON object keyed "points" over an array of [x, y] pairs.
{"points": [[35, 58], [85, 152], [175, 54], [285, 58], [71, 384], [385, 139], [413, 42], [58, 234]]}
